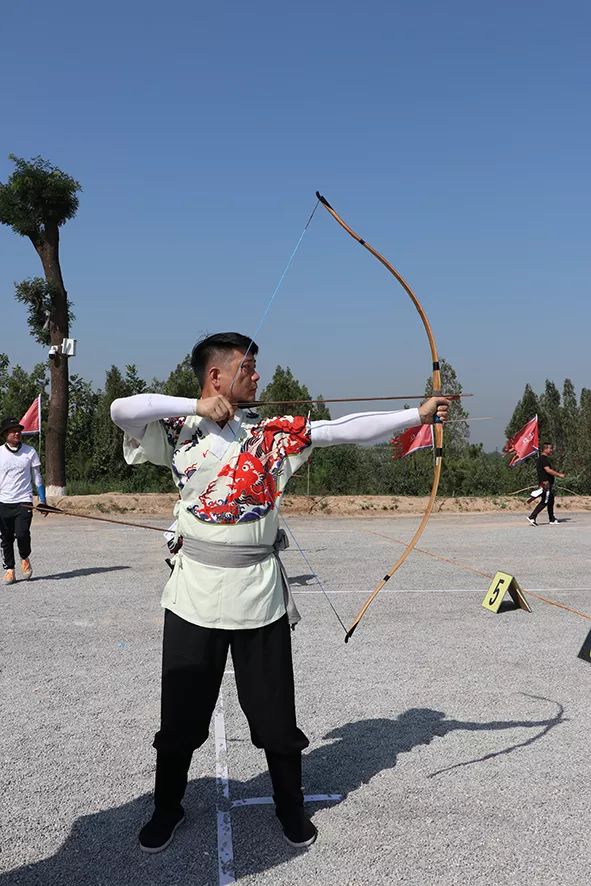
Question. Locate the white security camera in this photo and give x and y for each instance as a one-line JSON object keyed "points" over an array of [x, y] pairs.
{"points": [[53, 352], [69, 347]]}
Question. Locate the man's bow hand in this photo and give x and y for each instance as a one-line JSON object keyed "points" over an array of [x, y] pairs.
{"points": [[434, 409]]}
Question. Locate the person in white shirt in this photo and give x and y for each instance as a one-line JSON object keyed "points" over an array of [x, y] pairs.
{"points": [[20, 468], [228, 590]]}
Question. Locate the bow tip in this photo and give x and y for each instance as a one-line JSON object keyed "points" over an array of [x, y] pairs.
{"points": [[350, 633], [323, 200]]}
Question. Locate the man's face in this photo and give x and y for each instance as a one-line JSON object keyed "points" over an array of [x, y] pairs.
{"points": [[548, 450], [238, 377], [13, 437]]}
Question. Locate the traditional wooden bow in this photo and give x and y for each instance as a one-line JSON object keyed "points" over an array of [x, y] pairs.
{"points": [[438, 427]]}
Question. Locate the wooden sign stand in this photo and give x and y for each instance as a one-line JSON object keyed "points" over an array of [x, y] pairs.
{"points": [[500, 585], [585, 652]]}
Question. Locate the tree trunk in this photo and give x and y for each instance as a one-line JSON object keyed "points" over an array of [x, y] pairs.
{"points": [[57, 421]]}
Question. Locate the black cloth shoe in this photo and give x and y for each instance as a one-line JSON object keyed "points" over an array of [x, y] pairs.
{"points": [[158, 833], [298, 830]]}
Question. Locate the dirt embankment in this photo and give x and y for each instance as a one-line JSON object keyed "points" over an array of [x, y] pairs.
{"points": [[161, 504]]}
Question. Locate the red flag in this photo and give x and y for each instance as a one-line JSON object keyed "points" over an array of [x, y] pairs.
{"points": [[31, 420], [412, 440], [524, 443]]}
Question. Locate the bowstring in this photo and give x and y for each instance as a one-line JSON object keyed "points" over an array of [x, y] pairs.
{"points": [[265, 313], [260, 325], [313, 571]]}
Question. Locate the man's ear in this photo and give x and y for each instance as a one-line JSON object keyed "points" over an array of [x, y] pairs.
{"points": [[213, 375]]}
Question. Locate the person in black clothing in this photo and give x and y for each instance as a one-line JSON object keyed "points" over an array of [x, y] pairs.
{"points": [[546, 475]]}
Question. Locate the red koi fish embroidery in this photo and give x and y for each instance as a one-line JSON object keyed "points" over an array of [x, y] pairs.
{"points": [[246, 488]]}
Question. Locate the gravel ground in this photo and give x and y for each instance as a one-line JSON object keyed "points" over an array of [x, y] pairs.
{"points": [[458, 739]]}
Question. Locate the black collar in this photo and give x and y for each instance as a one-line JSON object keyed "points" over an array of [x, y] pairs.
{"points": [[14, 451]]}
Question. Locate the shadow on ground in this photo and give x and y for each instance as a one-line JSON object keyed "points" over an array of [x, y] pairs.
{"points": [[304, 580], [77, 573], [101, 849]]}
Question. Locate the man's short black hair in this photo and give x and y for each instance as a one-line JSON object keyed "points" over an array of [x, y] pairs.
{"points": [[208, 347]]}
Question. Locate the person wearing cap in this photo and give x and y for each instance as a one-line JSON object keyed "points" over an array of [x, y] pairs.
{"points": [[20, 469], [228, 591]]}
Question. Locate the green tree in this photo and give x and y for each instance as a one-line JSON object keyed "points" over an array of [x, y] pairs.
{"points": [[182, 381], [528, 406], [18, 388], [284, 387], [584, 436], [36, 293], [83, 401], [35, 202], [109, 470], [334, 470], [457, 434], [570, 463], [551, 428], [108, 438]]}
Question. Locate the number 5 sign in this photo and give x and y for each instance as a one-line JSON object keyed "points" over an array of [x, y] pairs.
{"points": [[501, 583]]}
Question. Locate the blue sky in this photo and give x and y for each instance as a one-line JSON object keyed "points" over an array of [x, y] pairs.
{"points": [[455, 137]]}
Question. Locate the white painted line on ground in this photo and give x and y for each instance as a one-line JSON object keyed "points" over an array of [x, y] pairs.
{"points": [[226, 872], [433, 591], [320, 798], [224, 806], [554, 590], [308, 798], [309, 593]]}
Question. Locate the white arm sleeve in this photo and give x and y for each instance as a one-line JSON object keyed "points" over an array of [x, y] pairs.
{"points": [[134, 414], [368, 428], [37, 478]]}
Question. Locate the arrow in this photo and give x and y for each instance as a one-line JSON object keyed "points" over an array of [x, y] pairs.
{"points": [[254, 403]]}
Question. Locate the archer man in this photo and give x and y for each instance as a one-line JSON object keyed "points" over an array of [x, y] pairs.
{"points": [[228, 590]]}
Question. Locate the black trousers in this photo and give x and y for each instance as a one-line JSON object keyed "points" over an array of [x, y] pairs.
{"points": [[546, 501], [193, 663], [15, 522]]}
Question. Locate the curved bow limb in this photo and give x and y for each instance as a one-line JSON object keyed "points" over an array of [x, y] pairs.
{"points": [[408, 549], [438, 427]]}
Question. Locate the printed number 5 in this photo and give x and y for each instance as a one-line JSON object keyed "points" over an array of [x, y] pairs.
{"points": [[496, 592]]}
